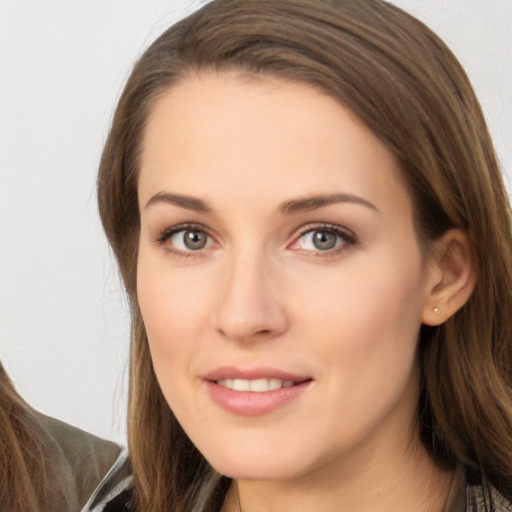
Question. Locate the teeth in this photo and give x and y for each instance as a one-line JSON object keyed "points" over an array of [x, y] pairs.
{"points": [[256, 385], [241, 385], [261, 385]]}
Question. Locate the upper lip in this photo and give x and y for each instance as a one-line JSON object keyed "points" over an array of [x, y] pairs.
{"points": [[231, 372]]}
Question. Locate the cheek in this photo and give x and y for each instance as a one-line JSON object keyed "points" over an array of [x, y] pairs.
{"points": [[171, 321], [366, 339], [176, 307], [166, 314], [171, 300], [367, 316]]}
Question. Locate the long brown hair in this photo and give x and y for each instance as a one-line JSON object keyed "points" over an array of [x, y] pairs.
{"points": [[31, 478], [409, 89]]}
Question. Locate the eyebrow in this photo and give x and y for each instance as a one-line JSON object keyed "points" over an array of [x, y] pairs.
{"points": [[305, 204], [312, 203], [188, 202]]}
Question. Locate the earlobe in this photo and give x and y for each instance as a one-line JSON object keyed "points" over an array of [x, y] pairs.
{"points": [[452, 277]]}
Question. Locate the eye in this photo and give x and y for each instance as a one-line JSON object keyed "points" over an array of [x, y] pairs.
{"points": [[185, 239], [189, 240], [329, 239], [320, 240]]}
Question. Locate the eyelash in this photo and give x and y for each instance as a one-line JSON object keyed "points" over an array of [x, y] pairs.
{"points": [[348, 238], [168, 233]]}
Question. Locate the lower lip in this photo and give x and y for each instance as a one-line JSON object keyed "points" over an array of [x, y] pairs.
{"points": [[250, 403]]}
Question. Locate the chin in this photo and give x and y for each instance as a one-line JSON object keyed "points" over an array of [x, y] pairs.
{"points": [[247, 470], [263, 464]]}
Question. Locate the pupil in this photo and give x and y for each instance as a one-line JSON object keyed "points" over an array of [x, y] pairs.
{"points": [[323, 240], [195, 240]]}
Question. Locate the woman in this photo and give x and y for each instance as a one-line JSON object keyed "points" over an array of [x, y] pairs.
{"points": [[45, 465], [314, 235]]}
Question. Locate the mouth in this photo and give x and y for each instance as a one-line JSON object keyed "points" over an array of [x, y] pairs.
{"points": [[254, 393], [255, 385]]}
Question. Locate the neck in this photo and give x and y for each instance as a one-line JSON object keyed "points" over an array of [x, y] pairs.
{"points": [[410, 482]]}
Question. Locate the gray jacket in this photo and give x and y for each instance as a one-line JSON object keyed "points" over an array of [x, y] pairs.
{"points": [[84, 459]]}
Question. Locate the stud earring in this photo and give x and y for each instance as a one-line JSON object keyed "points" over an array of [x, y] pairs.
{"points": [[437, 311]]}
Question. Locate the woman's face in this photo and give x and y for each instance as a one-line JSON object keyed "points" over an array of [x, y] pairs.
{"points": [[279, 278]]}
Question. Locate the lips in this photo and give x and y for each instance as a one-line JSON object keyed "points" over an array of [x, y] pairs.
{"points": [[254, 392]]}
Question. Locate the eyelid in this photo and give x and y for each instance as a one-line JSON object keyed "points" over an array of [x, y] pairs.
{"points": [[165, 235], [348, 237]]}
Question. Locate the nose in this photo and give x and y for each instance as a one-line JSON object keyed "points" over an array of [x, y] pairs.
{"points": [[249, 306]]}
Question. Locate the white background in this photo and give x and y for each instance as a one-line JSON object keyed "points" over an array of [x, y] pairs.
{"points": [[63, 322]]}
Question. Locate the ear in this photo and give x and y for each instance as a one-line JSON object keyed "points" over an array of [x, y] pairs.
{"points": [[451, 277]]}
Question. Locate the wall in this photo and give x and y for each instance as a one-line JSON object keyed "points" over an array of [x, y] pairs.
{"points": [[63, 322]]}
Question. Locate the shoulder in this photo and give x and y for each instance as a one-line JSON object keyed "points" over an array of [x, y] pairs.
{"points": [[87, 457], [472, 493], [481, 496], [478, 500], [114, 492]]}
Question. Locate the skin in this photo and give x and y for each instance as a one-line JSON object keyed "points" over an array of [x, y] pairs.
{"points": [[261, 294]]}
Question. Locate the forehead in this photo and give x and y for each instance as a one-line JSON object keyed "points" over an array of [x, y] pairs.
{"points": [[264, 135]]}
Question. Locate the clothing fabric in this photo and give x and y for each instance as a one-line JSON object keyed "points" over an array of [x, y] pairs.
{"points": [[84, 458], [471, 497], [114, 494]]}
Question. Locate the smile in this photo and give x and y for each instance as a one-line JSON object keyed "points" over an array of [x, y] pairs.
{"points": [[255, 385], [254, 392]]}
